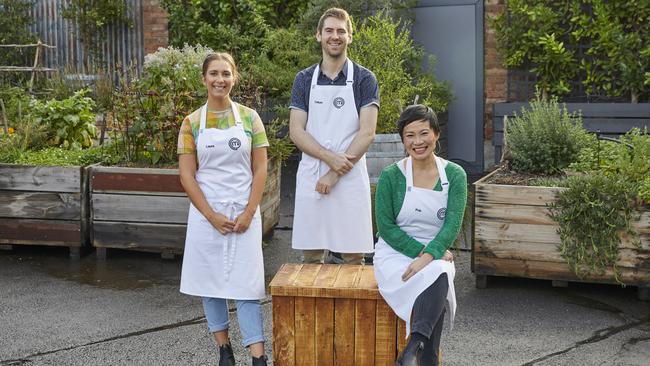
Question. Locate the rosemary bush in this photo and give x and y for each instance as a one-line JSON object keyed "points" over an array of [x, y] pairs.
{"points": [[545, 138]]}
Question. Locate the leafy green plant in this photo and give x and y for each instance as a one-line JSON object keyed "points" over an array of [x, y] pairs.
{"points": [[384, 46], [238, 27], [644, 190], [65, 157], [628, 160], [618, 33], [280, 145], [593, 212], [532, 34], [544, 138], [11, 148], [70, 122]]}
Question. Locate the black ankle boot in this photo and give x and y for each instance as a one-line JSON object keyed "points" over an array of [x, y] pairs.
{"points": [[261, 361], [226, 356], [411, 354]]}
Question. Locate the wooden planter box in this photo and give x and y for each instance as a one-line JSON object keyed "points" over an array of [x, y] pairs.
{"points": [[146, 208], [332, 315], [515, 237], [43, 205]]}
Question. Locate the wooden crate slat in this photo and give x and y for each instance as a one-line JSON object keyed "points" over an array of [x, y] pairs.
{"points": [[515, 195], [305, 334], [385, 335], [344, 331], [324, 317], [122, 235], [284, 348], [364, 332], [327, 275], [553, 271], [40, 178], [140, 208], [631, 258], [522, 214], [285, 276], [347, 276], [40, 232], [307, 276], [401, 335], [367, 278], [40, 205], [503, 230], [135, 180]]}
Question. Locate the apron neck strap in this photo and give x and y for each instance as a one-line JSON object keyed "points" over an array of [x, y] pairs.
{"points": [[441, 173], [350, 79], [235, 113], [350, 73], [204, 115]]}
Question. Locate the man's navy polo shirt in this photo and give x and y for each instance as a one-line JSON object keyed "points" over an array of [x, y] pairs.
{"points": [[364, 86]]}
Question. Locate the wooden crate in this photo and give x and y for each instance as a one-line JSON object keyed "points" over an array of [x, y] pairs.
{"points": [[43, 205], [146, 209], [332, 315], [515, 237]]}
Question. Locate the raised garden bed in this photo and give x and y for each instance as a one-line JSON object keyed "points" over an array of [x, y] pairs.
{"points": [[515, 237], [146, 209], [43, 205]]}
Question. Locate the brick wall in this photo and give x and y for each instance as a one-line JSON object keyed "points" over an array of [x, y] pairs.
{"points": [[495, 73], [155, 26]]}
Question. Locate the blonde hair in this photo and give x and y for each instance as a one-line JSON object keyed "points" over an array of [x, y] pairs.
{"points": [[221, 56], [337, 13]]}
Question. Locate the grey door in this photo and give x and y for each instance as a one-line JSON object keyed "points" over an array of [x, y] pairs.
{"points": [[453, 32]]}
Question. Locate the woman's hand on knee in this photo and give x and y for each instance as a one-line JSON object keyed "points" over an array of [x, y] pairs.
{"points": [[415, 266]]}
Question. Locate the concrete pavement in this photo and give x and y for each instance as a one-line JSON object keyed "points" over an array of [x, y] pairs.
{"points": [[128, 311]]}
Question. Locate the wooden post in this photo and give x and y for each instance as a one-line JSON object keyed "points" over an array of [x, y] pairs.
{"points": [[38, 50], [4, 116]]}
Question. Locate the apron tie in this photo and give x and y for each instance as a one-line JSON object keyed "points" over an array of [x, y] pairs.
{"points": [[230, 240]]}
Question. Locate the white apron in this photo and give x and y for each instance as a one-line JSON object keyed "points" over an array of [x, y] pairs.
{"points": [[421, 217], [341, 220], [214, 265]]}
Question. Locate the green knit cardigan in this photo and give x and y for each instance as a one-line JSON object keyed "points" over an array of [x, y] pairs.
{"points": [[389, 198]]}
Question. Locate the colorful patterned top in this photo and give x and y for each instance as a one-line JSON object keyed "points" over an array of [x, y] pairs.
{"points": [[252, 122]]}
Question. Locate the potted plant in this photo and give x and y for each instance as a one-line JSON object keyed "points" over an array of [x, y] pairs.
{"points": [[564, 206]]}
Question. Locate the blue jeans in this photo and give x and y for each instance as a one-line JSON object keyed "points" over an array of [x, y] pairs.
{"points": [[249, 315]]}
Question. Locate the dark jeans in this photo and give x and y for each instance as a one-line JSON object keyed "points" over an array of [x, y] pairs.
{"points": [[428, 317]]}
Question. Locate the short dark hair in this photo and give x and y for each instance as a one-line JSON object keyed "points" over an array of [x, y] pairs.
{"points": [[417, 112]]}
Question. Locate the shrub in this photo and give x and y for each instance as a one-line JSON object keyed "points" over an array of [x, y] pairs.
{"points": [[65, 157], [70, 122], [532, 34], [385, 47], [545, 138]]}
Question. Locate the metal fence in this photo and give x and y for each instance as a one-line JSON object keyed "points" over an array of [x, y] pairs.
{"points": [[121, 47]]}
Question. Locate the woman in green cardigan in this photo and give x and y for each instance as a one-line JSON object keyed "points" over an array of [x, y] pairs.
{"points": [[420, 202]]}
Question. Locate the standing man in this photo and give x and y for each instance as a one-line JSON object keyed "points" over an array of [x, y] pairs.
{"points": [[334, 107]]}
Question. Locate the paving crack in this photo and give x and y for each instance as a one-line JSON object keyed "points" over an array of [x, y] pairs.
{"points": [[598, 336], [26, 359]]}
